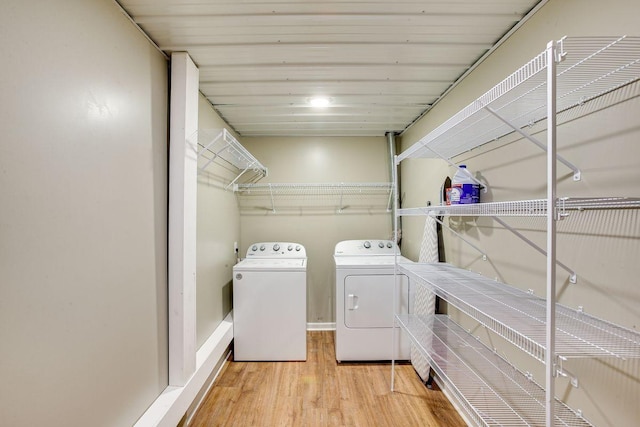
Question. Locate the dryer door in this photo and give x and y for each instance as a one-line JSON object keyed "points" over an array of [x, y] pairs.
{"points": [[368, 300]]}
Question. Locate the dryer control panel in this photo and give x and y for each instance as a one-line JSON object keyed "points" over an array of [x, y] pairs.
{"points": [[276, 250], [365, 247]]}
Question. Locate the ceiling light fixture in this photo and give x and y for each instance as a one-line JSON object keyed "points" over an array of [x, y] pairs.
{"points": [[319, 102]]}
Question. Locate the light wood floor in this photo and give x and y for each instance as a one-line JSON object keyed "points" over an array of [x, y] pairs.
{"points": [[321, 392]]}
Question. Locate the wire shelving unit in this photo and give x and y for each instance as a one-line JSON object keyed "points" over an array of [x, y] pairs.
{"points": [[567, 74]]}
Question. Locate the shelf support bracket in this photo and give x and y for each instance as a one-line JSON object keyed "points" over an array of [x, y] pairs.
{"points": [[572, 274], [273, 203], [341, 196], [237, 177], [561, 371], [576, 171], [390, 202], [439, 221]]}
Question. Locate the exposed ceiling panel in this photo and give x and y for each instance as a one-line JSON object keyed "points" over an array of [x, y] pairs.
{"points": [[382, 64]]}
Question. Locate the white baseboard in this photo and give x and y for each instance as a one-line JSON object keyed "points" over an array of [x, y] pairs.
{"points": [[454, 402], [327, 326], [191, 412], [169, 408]]}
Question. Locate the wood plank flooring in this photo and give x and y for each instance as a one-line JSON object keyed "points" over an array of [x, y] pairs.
{"points": [[321, 392]]}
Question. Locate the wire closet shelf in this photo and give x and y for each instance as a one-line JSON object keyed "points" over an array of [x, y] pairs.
{"points": [[340, 196], [519, 316], [591, 67], [525, 208], [568, 74], [219, 147], [489, 390], [317, 189]]}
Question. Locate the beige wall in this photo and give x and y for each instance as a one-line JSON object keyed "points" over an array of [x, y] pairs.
{"points": [[218, 227], [318, 160], [83, 217], [603, 247]]}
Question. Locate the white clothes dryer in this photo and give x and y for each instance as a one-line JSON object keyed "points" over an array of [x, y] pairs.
{"points": [[364, 301], [270, 303]]}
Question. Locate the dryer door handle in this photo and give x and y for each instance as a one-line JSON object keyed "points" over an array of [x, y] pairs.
{"points": [[352, 302]]}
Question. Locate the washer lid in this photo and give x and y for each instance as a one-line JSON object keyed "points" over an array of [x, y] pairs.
{"points": [[272, 264]]}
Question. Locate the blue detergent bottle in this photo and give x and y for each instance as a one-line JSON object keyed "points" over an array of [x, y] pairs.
{"points": [[464, 190]]}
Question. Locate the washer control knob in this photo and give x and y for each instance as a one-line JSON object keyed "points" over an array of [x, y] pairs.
{"points": [[262, 248], [389, 245], [381, 245], [367, 244], [298, 248], [290, 248], [254, 248], [276, 247]]}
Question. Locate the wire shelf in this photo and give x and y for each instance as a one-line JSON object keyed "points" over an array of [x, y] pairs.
{"points": [[217, 146], [520, 317], [296, 196], [317, 189], [489, 390], [528, 208], [591, 68]]}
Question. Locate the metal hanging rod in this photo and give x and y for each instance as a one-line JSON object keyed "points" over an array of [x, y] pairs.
{"points": [[360, 188], [338, 196]]}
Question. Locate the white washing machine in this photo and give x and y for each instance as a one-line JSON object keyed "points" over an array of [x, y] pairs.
{"points": [[270, 303], [364, 301]]}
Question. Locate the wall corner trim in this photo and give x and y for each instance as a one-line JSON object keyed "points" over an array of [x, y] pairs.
{"points": [[183, 171]]}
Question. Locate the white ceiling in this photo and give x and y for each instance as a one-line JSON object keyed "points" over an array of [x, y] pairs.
{"points": [[382, 63]]}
